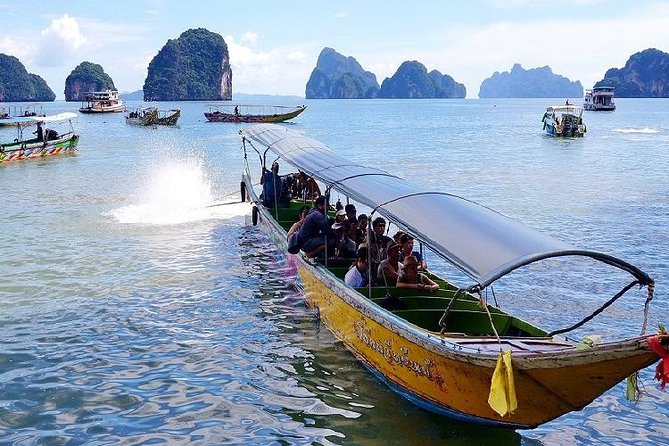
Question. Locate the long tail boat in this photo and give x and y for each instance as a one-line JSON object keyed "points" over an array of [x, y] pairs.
{"points": [[450, 351], [149, 116], [252, 113], [48, 142]]}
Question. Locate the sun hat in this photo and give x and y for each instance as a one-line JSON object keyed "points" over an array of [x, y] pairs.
{"points": [[340, 212]]}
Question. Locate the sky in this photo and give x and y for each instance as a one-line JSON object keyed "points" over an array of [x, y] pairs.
{"points": [[274, 45]]}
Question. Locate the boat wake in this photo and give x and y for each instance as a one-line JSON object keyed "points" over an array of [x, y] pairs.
{"points": [[178, 193], [645, 130]]}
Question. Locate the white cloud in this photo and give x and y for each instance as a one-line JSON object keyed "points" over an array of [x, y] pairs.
{"points": [[340, 15], [250, 37], [282, 70], [579, 50], [62, 38]]}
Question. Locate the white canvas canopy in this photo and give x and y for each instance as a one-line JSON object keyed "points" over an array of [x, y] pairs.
{"points": [[479, 241], [28, 120]]}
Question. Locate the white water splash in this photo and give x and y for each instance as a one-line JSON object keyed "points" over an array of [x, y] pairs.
{"points": [[645, 130], [178, 193]]}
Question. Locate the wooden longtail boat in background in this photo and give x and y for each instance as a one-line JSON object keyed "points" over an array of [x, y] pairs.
{"points": [[47, 142], [252, 113], [442, 351], [152, 116], [18, 111]]}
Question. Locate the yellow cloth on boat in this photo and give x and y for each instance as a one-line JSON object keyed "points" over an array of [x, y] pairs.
{"points": [[502, 396]]}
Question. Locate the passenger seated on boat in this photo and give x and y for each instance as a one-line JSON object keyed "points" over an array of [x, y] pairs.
{"points": [[390, 267], [357, 276], [351, 212], [306, 187], [285, 195], [340, 217], [361, 230], [271, 182], [406, 240], [379, 240], [378, 244], [51, 134], [411, 278], [315, 231], [345, 247], [304, 210]]}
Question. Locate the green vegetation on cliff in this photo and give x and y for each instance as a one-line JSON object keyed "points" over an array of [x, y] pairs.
{"points": [[533, 83], [86, 77], [17, 85], [340, 77], [194, 67], [412, 81], [645, 75]]}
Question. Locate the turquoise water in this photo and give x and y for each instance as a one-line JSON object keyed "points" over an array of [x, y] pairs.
{"points": [[132, 312]]}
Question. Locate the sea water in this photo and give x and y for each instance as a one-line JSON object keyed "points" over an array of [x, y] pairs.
{"points": [[138, 305]]}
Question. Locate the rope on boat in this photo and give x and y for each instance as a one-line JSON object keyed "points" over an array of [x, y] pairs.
{"points": [[651, 294], [484, 305], [597, 311], [444, 317]]}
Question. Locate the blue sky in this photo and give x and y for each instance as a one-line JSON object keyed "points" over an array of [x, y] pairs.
{"points": [[274, 45]]}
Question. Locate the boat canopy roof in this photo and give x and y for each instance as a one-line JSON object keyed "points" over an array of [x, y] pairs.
{"points": [[28, 120], [570, 109], [479, 241]]}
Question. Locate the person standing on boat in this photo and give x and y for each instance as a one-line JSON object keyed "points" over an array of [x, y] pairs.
{"points": [[316, 231], [271, 183], [39, 132], [357, 276]]}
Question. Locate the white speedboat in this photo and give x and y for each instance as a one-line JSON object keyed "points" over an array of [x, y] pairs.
{"points": [[564, 120]]}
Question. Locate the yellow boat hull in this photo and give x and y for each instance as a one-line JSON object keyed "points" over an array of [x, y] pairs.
{"points": [[442, 378]]}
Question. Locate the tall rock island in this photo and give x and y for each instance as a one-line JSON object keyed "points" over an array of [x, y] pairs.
{"points": [[412, 81], [533, 83], [194, 67], [86, 77], [17, 85], [645, 75], [340, 77]]}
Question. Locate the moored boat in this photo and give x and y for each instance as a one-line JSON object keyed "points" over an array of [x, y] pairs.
{"points": [[102, 102], [599, 99], [564, 120], [152, 116], [48, 142], [252, 113], [450, 351], [16, 111]]}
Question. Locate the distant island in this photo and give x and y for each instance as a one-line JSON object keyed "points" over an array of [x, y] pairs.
{"points": [[194, 67], [340, 77], [533, 83], [86, 77], [412, 81], [137, 95], [17, 85], [645, 75]]}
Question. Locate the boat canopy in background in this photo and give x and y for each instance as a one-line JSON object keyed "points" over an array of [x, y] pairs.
{"points": [[479, 241]]}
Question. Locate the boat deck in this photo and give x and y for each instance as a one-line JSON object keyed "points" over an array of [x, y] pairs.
{"points": [[467, 323]]}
